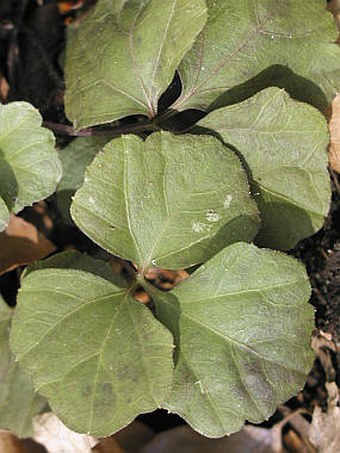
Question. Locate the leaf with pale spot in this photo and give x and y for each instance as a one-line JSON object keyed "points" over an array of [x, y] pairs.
{"points": [[97, 355], [171, 201]]}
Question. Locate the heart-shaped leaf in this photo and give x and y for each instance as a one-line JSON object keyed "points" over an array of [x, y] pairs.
{"points": [[242, 328], [123, 58], [171, 201], [284, 145], [242, 39], [29, 165], [18, 401], [98, 356]]}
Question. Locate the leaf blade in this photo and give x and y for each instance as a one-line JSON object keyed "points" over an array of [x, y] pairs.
{"points": [[261, 35], [18, 401], [242, 328], [29, 165], [138, 195], [91, 383], [283, 143], [135, 60]]}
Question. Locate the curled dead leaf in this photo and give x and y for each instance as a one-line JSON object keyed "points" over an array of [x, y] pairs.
{"points": [[21, 243]]}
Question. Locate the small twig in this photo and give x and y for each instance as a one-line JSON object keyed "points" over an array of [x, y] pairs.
{"points": [[111, 131]]}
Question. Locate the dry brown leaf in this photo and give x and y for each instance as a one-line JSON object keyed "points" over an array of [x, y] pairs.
{"points": [[301, 429], [21, 243], [9, 443], [142, 296], [295, 443], [325, 427], [322, 344], [108, 445], [334, 130]]}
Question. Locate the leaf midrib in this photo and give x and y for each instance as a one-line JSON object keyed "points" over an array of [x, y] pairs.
{"points": [[163, 41]]}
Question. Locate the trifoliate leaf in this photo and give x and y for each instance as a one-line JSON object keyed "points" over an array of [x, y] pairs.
{"points": [[123, 58], [18, 401], [243, 39], [98, 356], [283, 143], [29, 165], [171, 201], [242, 329], [74, 159]]}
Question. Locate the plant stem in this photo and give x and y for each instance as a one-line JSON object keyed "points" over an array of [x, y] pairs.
{"points": [[109, 131], [151, 289]]}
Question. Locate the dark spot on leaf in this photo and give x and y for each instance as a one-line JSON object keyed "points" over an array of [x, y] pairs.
{"points": [[87, 390]]}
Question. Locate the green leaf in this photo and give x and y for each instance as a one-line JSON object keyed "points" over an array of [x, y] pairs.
{"points": [[18, 402], [242, 329], [74, 159], [72, 259], [29, 165], [284, 146], [123, 58], [98, 356], [242, 39], [171, 201]]}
